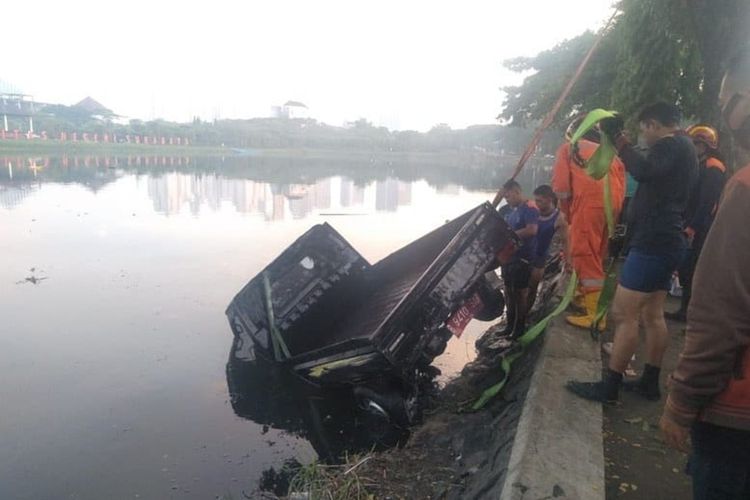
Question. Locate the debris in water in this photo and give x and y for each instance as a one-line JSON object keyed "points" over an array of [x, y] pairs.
{"points": [[34, 280]]}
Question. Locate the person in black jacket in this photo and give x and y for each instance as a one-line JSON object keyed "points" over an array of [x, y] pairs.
{"points": [[701, 208], [665, 175]]}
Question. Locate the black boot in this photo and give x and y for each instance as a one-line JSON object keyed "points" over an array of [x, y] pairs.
{"points": [[646, 386], [520, 327], [510, 320], [607, 391]]}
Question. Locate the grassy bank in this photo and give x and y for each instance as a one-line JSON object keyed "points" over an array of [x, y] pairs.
{"points": [[57, 148]]}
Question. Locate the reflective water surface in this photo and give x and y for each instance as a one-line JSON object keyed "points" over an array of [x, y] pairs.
{"points": [[114, 343]]}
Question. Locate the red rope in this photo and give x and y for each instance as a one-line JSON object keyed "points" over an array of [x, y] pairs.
{"points": [[549, 118]]}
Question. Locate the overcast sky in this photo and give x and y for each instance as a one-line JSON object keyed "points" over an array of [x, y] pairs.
{"points": [[399, 63]]}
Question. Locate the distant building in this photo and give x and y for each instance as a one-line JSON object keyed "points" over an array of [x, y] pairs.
{"points": [[291, 109]]}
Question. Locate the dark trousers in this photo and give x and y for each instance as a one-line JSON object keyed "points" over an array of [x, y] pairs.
{"points": [[687, 270], [720, 463], [715, 479]]}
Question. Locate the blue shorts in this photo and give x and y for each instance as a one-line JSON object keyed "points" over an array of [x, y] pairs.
{"points": [[649, 273]]}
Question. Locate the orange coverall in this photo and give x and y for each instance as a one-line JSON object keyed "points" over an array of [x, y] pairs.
{"points": [[582, 201]]}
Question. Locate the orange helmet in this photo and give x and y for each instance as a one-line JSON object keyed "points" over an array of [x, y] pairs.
{"points": [[705, 134]]}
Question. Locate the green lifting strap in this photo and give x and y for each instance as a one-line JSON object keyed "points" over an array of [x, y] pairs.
{"points": [[598, 167], [600, 162], [525, 339], [279, 346], [605, 299]]}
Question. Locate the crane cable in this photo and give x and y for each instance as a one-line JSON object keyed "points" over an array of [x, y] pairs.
{"points": [[549, 118]]}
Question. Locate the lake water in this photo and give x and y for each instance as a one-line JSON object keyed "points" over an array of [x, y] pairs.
{"points": [[114, 343]]}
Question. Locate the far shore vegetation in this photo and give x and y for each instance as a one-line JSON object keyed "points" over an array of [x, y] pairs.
{"points": [[97, 130]]}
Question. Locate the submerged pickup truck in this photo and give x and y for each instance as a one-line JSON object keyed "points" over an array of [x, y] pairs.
{"points": [[336, 320]]}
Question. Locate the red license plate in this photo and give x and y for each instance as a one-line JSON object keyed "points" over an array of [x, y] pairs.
{"points": [[459, 319]]}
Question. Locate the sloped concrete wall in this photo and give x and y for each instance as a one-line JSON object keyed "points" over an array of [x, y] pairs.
{"points": [[558, 449]]}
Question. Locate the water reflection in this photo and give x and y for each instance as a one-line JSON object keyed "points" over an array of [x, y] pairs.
{"points": [[11, 197], [134, 311], [332, 421], [174, 193], [276, 188]]}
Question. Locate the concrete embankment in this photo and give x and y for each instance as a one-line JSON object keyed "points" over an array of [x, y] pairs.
{"points": [[558, 450]]}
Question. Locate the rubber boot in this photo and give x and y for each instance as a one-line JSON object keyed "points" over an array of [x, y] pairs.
{"points": [[646, 386], [607, 391], [591, 300], [577, 306], [510, 320]]}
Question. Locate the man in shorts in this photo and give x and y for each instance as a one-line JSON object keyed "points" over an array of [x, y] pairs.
{"points": [[523, 219], [666, 176]]}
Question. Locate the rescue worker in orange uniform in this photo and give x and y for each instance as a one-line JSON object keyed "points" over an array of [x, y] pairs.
{"points": [[582, 201], [701, 208]]}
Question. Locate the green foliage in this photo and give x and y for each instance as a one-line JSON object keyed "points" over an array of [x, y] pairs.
{"points": [[673, 50], [551, 70], [656, 60], [283, 133]]}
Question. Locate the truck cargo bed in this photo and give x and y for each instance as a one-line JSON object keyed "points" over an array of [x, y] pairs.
{"points": [[351, 320]]}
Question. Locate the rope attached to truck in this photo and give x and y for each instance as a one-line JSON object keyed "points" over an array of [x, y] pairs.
{"points": [[524, 340], [279, 346], [550, 116]]}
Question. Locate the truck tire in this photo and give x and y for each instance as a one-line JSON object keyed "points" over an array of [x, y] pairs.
{"points": [[382, 406], [493, 299]]}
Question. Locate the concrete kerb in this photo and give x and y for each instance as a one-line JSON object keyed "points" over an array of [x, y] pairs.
{"points": [[558, 448]]}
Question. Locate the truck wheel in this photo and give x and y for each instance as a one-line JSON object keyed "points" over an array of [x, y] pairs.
{"points": [[382, 406], [493, 300]]}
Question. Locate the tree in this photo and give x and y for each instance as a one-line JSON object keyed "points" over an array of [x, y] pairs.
{"points": [[674, 50], [552, 68], [718, 28]]}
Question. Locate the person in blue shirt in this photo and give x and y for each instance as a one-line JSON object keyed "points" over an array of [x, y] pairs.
{"points": [[524, 220], [551, 221]]}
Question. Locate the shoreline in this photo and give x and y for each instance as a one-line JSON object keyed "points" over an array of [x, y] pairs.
{"points": [[53, 147]]}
